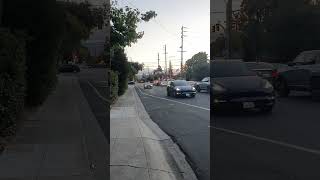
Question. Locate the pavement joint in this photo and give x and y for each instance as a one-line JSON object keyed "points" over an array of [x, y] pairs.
{"points": [[140, 167]]}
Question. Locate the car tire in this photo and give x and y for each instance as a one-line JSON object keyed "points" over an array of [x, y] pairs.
{"points": [[168, 93], [198, 88], [193, 96], [283, 89]]}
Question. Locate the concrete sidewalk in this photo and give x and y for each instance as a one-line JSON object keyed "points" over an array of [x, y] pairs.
{"points": [[139, 149], [61, 141]]}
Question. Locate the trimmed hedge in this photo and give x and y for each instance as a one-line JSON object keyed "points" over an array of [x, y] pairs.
{"points": [[12, 79], [114, 86]]}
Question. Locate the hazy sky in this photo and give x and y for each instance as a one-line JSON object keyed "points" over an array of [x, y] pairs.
{"points": [[166, 29]]}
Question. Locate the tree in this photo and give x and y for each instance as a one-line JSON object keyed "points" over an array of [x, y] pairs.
{"points": [[124, 23], [134, 68], [198, 66], [279, 29]]}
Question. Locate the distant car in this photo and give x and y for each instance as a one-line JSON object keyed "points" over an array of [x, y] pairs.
{"points": [[142, 81], [131, 82], [302, 74], [147, 86], [204, 84], [234, 86], [265, 70], [180, 88], [69, 68], [156, 82]]}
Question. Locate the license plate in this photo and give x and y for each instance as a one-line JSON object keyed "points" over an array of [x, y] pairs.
{"points": [[248, 105], [188, 95]]}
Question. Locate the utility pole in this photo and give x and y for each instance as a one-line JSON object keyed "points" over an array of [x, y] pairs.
{"points": [[158, 60], [182, 36], [165, 61], [228, 28]]}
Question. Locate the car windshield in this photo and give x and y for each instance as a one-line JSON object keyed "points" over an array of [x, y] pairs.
{"points": [[254, 65], [306, 57], [181, 83], [230, 69]]}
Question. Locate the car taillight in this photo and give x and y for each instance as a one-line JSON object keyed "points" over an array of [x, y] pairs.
{"points": [[274, 74]]}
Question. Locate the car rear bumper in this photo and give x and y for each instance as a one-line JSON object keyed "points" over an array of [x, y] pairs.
{"points": [[244, 103]]}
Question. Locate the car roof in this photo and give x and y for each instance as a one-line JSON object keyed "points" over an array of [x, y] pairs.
{"points": [[227, 60]]}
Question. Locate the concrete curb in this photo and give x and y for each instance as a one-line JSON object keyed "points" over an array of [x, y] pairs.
{"points": [[172, 148]]}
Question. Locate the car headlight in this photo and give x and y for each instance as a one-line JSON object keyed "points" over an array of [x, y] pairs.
{"points": [[193, 89], [217, 87], [178, 89], [267, 85]]}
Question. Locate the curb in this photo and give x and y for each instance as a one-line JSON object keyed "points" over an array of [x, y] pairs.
{"points": [[174, 150]]}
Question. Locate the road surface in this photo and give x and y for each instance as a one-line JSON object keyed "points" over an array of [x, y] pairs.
{"points": [[186, 120], [284, 145]]}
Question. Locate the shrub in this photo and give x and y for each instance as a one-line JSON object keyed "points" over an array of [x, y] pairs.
{"points": [[12, 79], [114, 86], [120, 64]]}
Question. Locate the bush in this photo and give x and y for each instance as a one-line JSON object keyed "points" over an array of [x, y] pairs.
{"points": [[12, 79], [114, 86], [120, 64], [43, 21]]}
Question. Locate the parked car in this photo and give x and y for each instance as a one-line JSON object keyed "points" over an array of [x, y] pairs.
{"points": [[147, 86], [131, 82], [69, 68], [265, 70], [234, 86], [180, 88], [204, 84], [302, 74]]}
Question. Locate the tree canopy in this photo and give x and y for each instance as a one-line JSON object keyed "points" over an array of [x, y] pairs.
{"points": [[197, 67]]}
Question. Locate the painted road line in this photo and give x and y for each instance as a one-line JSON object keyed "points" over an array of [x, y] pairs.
{"points": [[292, 146], [97, 92], [203, 108]]}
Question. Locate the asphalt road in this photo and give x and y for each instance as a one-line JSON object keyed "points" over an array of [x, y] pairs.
{"points": [[186, 120], [284, 145]]}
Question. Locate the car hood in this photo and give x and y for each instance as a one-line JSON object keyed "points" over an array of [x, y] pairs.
{"points": [[241, 83], [184, 88]]}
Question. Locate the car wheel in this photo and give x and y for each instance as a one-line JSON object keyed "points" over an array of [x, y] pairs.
{"points": [[168, 93], [198, 88], [283, 89], [192, 96]]}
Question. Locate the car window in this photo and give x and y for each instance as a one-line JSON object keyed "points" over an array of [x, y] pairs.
{"points": [[180, 83], [230, 69], [205, 79], [307, 57]]}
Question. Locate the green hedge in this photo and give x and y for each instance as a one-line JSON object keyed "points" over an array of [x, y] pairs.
{"points": [[114, 86], [12, 79]]}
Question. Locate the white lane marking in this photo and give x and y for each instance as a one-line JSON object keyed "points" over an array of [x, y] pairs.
{"points": [[173, 100], [97, 92], [292, 146]]}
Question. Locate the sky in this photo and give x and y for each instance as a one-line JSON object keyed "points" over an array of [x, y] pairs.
{"points": [[166, 29]]}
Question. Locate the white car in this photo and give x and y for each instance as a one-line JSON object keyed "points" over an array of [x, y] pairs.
{"points": [[147, 86]]}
